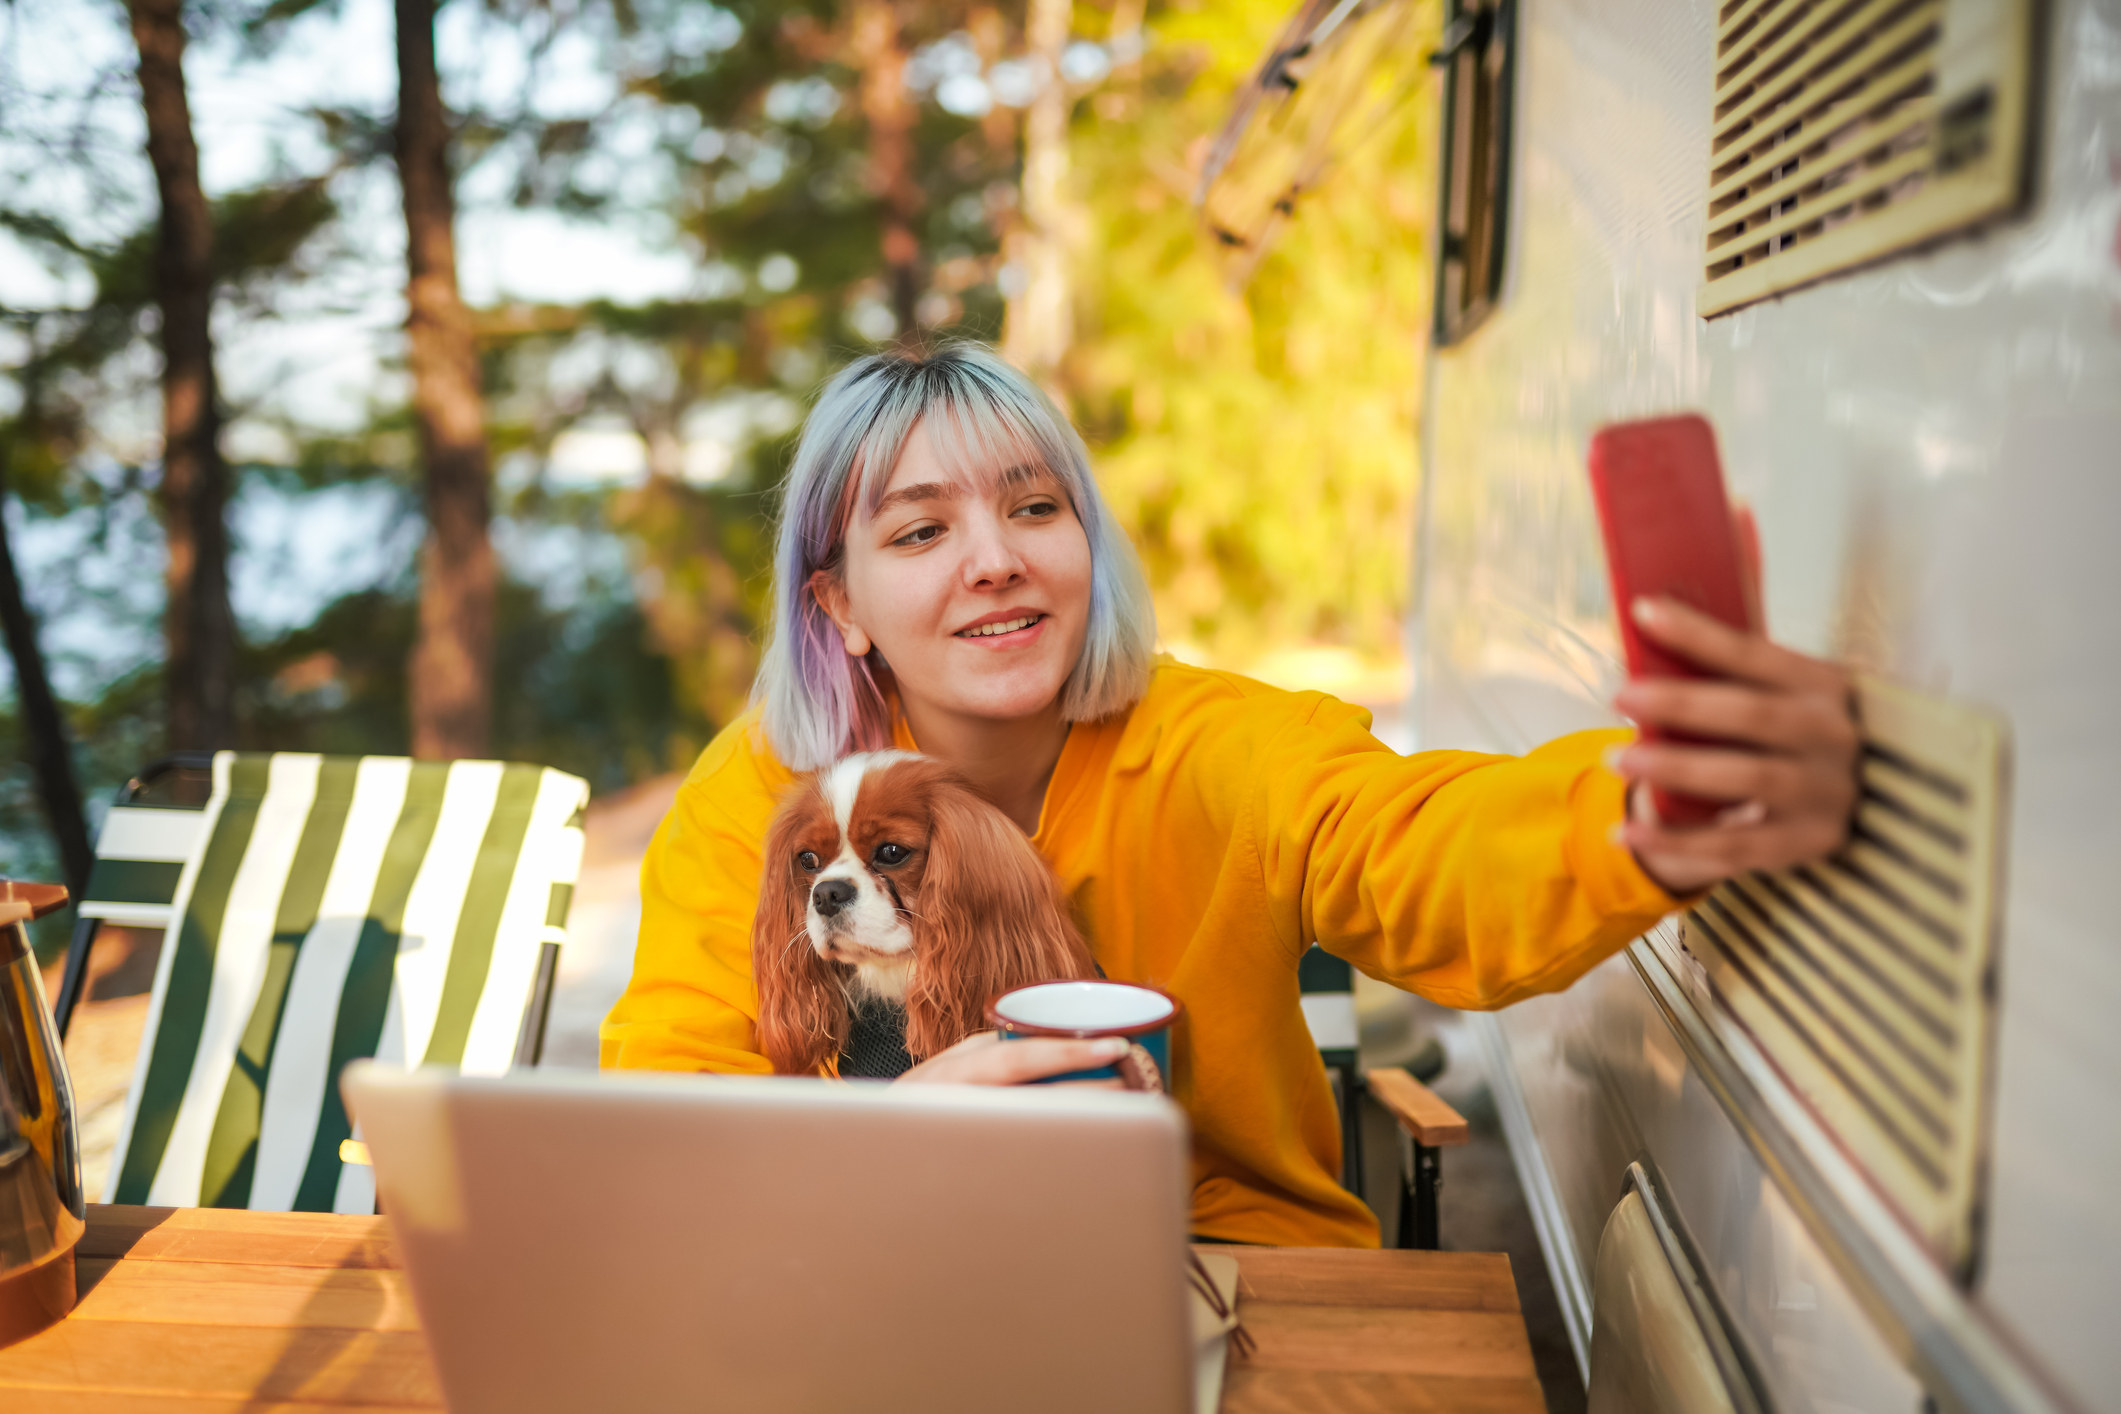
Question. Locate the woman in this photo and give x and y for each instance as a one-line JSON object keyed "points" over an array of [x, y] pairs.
{"points": [[949, 581]]}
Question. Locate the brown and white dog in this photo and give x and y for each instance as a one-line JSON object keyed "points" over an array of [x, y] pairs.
{"points": [[886, 876]]}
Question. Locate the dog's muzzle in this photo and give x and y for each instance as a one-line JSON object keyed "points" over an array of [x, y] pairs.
{"points": [[831, 895]]}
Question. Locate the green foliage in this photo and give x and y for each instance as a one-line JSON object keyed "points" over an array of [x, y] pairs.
{"points": [[1259, 444], [72, 356], [581, 688], [764, 126]]}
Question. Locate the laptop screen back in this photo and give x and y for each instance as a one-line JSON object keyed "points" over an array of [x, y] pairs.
{"points": [[582, 1242]]}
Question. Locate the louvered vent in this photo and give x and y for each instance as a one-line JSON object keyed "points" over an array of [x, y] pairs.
{"points": [[1845, 130], [1869, 979]]}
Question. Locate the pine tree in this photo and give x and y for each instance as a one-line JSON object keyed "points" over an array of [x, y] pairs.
{"points": [[199, 624], [451, 670]]}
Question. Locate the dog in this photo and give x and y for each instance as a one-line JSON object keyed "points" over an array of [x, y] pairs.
{"points": [[886, 877]]}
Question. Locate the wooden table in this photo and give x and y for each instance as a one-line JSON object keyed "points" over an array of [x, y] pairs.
{"points": [[206, 1311]]}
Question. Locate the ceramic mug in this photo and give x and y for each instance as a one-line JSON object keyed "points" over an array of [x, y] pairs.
{"points": [[1086, 1011]]}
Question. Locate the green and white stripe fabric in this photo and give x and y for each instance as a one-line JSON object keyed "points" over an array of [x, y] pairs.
{"points": [[336, 908], [140, 856]]}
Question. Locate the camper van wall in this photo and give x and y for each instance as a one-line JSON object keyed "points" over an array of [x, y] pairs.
{"points": [[1927, 435]]}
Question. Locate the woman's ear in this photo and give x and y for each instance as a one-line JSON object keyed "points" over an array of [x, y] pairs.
{"points": [[831, 596]]}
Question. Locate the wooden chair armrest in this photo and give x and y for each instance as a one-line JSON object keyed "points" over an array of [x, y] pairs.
{"points": [[1421, 1112]]}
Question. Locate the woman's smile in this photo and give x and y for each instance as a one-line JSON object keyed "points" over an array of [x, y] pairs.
{"points": [[1004, 630]]}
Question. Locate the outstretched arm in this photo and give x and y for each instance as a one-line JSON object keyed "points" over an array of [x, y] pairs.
{"points": [[1479, 880]]}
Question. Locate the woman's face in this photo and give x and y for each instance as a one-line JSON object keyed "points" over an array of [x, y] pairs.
{"points": [[979, 601]]}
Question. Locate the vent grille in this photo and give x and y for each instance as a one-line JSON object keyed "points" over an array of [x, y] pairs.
{"points": [[1845, 130], [1868, 979]]}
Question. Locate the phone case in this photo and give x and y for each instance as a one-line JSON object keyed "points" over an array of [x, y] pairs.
{"points": [[1668, 530]]}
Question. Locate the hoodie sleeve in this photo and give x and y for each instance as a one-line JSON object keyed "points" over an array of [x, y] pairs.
{"points": [[692, 1003], [1474, 880]]}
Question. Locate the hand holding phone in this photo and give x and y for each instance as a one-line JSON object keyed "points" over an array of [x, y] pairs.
{"points": [[1668, 531]]}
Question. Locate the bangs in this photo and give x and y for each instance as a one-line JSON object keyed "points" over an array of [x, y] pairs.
{"points": [[983, 437]]}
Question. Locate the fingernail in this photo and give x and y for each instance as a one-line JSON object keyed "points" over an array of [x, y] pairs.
{"points": [[1644, 609], [1612, 758], [1113, 1047], [1617, 833]]}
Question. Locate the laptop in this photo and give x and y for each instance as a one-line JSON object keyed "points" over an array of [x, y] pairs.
{"points": [[587, 1242]]}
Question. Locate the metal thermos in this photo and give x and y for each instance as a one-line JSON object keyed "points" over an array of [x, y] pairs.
{"points": [[42, 1211]]}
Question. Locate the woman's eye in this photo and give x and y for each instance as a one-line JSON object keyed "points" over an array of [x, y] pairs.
{"points": [[808, 862], [1039, 509], [920, 536], [890, 854]]}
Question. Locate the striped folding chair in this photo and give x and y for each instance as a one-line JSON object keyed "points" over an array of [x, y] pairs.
{"points": [[1427, 1123], [317, 910]]}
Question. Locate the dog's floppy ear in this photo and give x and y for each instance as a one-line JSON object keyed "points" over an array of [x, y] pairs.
{"points": [[802, 997], [991, 917]]}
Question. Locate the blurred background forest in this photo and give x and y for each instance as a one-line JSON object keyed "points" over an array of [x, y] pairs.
{"points": [[291, 289]]}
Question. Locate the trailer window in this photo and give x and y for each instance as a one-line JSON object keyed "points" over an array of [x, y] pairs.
{"points": [[1478, 59]]}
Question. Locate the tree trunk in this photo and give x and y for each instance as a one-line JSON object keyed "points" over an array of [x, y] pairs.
{"points": [[199, 625], [1039, 324], [50, 756], [451, 670], [880, 53]]}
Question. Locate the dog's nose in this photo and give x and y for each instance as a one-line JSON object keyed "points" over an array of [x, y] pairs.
{"points": [[831, 895]]}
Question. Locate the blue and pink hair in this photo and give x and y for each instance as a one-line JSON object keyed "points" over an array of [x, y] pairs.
{"points": [[818, 702]]}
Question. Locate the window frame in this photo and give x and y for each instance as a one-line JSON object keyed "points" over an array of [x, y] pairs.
{"points": [[1478, 57]]}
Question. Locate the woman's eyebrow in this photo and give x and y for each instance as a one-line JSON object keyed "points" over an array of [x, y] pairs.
{"points": [[919, 491], [1022, 473]]}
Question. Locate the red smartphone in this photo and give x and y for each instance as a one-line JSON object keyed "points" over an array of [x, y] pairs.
{"points": [[1668, 531]]}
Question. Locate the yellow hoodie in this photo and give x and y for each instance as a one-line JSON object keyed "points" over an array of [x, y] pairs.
{"points": [[1206, 839]]}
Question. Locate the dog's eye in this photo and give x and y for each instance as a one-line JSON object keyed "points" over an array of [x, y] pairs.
{"points": [[808, 861], [889, 854]]}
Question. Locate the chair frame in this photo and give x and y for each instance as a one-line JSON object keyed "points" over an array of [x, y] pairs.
{"points": [[530, 1041], [1429, 1125], [1348, 1090]]}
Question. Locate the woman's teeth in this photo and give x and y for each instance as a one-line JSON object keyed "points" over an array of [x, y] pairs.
{"points": [[1005, 626]]}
